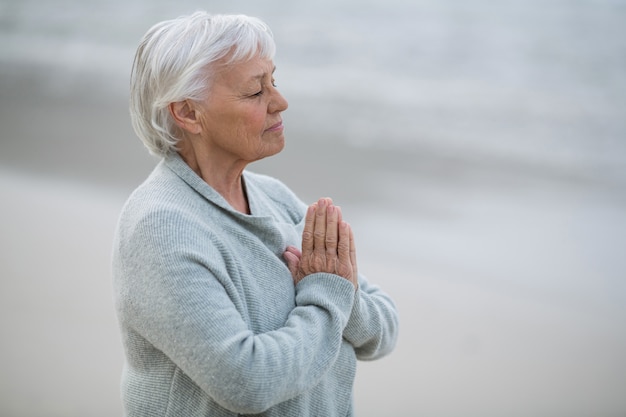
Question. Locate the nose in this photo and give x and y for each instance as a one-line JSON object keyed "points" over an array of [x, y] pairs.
{"points": [[278, 102]]}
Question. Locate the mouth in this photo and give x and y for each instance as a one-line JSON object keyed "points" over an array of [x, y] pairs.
{"points": [[275, 127]]}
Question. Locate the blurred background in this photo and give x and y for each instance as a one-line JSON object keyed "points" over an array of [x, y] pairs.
{"points": [[477, 147]]}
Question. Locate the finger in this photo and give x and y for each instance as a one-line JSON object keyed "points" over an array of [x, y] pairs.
{"points": [[331, 232], [344, 267], [355, 270], [339, 215], [319, 230], [343, 246], [295, 251], [309, 225], [292, 261]]}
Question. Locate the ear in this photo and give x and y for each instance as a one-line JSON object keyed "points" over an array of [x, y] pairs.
{"points": [[185, 116]]}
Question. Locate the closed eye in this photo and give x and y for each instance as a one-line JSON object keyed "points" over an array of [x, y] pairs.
{"points": [[260, 92]]}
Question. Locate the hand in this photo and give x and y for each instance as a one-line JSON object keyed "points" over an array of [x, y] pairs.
{"points": [[327, 245]]}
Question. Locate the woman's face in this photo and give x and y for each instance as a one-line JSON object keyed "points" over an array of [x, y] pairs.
{"points": [[241, 117]]}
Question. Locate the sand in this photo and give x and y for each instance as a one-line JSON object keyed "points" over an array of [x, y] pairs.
{"points": [[509, 282]]}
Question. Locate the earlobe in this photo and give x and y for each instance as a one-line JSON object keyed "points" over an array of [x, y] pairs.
{"points": [[185, 116]]}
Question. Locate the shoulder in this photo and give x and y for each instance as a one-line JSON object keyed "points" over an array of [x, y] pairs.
{"points": [[163, 203], [160, 190]]}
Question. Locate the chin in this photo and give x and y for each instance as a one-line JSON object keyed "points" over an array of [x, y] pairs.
{"points": [[276, 147], [272, 149]]}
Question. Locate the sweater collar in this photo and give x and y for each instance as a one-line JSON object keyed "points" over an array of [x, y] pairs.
{"points": [[177, 165]]}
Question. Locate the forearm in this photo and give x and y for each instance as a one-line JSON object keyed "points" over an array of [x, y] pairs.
{"points": [[246, 372], [373, 325]]}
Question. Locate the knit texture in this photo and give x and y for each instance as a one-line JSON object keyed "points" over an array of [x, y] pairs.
{"points": [[211, 322]]}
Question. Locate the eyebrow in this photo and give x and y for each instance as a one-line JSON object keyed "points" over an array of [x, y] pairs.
{"points": [[259, 76]]}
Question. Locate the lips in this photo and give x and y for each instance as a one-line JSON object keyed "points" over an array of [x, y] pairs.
{"points": [[275, 127]]}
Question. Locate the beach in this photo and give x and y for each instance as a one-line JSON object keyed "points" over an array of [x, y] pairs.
{"points": [[505, 256]]}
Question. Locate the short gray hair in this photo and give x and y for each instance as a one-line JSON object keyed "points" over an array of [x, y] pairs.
{"points": [[174, 61]]}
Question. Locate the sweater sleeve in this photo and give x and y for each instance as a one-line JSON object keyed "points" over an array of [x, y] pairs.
{"points": [[373, 325], [174, 299]]}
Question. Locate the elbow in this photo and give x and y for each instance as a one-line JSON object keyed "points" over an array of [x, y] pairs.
{"points": [[382, 345], [372, 353], [390, 339]]}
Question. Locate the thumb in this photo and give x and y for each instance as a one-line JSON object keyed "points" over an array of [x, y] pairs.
{"points": [[292, 258]]}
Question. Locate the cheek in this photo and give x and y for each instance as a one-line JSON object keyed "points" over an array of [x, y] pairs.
{"points": [[257, 121]]}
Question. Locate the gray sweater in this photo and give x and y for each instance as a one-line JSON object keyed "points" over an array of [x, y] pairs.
{"points": [[211, 321]]}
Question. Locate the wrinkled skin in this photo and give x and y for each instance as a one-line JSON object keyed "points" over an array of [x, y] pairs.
{"points": [[327, 245]]}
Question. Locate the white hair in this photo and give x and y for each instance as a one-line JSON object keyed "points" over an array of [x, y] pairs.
{"points": [[174, 62]]}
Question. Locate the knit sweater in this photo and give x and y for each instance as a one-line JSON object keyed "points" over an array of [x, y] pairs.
{"points": [[211, 321]]}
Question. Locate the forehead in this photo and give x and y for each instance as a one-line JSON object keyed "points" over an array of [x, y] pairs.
{"points": [[248, 71]]}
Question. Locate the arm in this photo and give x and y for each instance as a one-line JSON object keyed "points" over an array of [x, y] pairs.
{"points": [[373, 325], [183, 305]]}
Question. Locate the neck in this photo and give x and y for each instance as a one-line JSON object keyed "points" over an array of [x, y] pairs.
{"points": [[222, 175]]}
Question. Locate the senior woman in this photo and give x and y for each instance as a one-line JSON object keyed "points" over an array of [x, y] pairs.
{"points": [[233, 296]]}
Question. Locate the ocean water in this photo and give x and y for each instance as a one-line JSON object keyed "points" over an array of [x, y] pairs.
{"points": [[541, 82], [428, 106]]}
